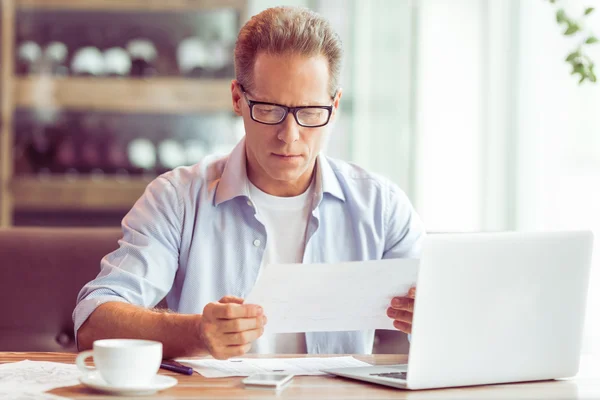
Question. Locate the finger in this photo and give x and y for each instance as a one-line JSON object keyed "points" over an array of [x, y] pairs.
{"points": [[403, 326], [242, 338], [403, 303], [241, 324], [226, 352], [412, 292], [231, 299], [233, 311], [402, 316], [237, 351]]}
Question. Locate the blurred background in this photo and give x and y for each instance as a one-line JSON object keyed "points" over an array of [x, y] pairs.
{"points": [[469, 105]]}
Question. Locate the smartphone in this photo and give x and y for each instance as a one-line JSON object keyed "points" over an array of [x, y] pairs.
{"points": [[268, 380]]}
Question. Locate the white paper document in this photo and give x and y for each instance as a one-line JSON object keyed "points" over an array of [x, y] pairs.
{"points": [[212, 368], [36, 376], [331, 297], [30, 396]]}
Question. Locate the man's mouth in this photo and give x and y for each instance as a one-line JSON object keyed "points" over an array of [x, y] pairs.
{"points": [[286, 155]]}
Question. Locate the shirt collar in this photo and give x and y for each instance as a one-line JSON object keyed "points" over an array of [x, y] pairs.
{"points": [[327, 180], [234, 181]]}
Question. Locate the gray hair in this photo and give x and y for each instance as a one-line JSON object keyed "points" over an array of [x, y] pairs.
{"points": [[287, 30]]}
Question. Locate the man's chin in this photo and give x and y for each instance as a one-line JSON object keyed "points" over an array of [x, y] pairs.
{"points": [[285, 177]]}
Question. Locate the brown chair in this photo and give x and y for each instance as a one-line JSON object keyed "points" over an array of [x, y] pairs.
{"points": [[41, 273]]}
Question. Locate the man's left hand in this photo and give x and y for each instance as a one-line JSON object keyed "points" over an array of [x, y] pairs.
{"points": [[401, 311]]}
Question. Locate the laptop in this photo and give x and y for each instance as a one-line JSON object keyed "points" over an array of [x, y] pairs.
{"points": [[493, 308]]}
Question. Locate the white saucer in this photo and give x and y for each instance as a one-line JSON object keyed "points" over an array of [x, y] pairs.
{"points": [[159, 382]]}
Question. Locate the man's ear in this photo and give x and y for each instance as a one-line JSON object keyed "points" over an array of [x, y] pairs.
{"points": [[236, 97], [336, 101]]}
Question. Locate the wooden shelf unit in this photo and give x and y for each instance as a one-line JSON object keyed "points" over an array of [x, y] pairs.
{"points": [[7, 110], [59, 193], [131, 5], [157, 96]]}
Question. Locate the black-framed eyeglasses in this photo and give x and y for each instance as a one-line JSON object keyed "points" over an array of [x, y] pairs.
{"points": [[273, 114]]}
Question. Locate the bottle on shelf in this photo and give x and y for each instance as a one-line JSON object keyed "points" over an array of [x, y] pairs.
{"points": [[22, 163], [141, 153], [226, 139], [192, 57], [41, 150], [55, 58], [65, 162], [117, 61], [28, 50], [88, 59], [219, 56], [89, 147], [220, 32], [113, 149], [143, 58], [195, 151], [29, 57], [171, 154], [66, 155], [55, 51], [190, 134]]}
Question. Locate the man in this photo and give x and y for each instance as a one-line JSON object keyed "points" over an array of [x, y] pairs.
{"points": [[200, 235]]}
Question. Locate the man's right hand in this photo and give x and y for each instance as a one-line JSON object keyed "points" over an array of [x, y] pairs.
{"points": [[229, 327]]}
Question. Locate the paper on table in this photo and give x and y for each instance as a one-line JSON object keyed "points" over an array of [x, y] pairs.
{"points": [[36, 376], [30, 396], [212, 368], [331, 297]]}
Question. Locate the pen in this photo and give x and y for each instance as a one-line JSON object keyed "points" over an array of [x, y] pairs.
{"points": [[174, 366]]}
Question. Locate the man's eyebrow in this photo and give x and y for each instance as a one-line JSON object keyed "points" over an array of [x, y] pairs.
{"points": [[254, 96], [300, 104]]}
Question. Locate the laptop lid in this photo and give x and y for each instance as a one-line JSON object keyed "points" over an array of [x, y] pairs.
{"points": [[499, 307]]}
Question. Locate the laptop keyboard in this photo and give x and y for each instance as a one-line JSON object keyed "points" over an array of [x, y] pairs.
{"points": [[392, 375]]}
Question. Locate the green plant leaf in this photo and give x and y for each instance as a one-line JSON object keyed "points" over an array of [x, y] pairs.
{"points": [[578, 69], [573, 28], [573, 56], [592, 40], [582, 64]]}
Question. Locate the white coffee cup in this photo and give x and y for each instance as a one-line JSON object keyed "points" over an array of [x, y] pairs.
{"points": [[124, 362]]}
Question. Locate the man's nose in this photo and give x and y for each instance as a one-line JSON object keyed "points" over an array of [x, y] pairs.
{"points": [[289, 130]]}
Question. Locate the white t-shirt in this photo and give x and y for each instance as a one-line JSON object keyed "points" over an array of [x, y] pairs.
{"points": [[285, 220]]}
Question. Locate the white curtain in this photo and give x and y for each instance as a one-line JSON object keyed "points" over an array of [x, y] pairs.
{"points": [[559, 139], [506, 137]]}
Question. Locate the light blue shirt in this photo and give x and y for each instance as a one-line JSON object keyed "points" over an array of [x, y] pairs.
{"points": [[194, 237]]}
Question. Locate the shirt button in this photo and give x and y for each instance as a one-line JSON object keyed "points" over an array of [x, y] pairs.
{"points": [[249, 203], [257, 243]]}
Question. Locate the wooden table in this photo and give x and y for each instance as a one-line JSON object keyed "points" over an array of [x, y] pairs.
{"points": [[585, 386]]}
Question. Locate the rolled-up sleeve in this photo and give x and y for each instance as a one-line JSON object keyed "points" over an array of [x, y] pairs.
{"points": [[142, 269], [405, 231]]}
